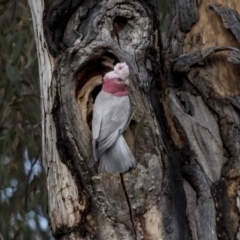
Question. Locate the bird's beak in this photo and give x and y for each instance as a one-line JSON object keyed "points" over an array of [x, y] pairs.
{"points": [[126, 82]]}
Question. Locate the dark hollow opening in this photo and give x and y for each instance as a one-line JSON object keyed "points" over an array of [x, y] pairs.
{"points": [[119, 23], [95, 92], [90, 76]]}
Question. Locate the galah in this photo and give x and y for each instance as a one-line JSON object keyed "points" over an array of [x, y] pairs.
{"points": [[111, 112]]}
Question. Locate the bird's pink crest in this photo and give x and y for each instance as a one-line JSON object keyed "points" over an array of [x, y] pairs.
{"points": [[122, 70]]}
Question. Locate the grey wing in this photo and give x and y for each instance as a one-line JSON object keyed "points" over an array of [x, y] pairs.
{"points": [[98, 110], [110, 116], [115, 116], [97, 115], [96, 124], [122, 114], [112, 127], [104, 110]]}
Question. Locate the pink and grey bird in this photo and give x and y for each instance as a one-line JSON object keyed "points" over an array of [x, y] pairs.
{"points": [[111, 112]]}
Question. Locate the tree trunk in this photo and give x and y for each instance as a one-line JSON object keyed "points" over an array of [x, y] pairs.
{"points": [[184, 129]]}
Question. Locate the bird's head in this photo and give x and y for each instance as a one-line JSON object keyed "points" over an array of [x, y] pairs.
{"points": [[115, 82], [119, 74]]}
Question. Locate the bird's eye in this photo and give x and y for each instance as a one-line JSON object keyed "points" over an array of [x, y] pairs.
{"points": [[119, 80]]}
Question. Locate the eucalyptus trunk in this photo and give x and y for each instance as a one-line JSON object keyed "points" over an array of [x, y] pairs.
{"points": [[184, 127]]}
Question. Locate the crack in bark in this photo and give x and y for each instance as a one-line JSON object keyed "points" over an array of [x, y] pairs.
{"points": [[216, 190], [117, 36], [129, 205]]}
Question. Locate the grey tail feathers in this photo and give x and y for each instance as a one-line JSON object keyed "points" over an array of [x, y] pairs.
{"points": [[102, 146], [118, 158]]}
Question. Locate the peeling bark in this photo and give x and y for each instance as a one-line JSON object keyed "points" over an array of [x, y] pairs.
{"points": [[204, 120], [186, 183], [230, 18], [186, 61]]}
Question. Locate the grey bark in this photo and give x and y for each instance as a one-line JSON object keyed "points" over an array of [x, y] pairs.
{"points": [[206, 121], [183, 132]]}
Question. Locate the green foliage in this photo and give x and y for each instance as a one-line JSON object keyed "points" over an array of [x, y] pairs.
{"points": [[22, 181]]}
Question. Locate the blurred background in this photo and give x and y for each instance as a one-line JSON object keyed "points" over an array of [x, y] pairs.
{"points": [[23, 193]]}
